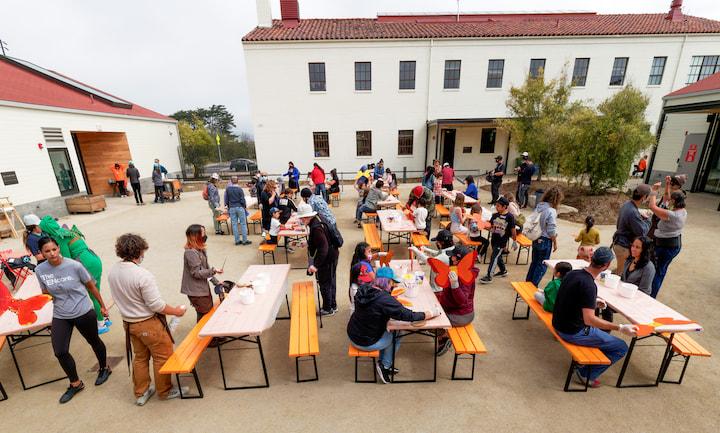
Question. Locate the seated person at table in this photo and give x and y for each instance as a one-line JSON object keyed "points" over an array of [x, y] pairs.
{"points": [[275, 226], [374, 307], [574, 317], [502, 229], [286, 206], [422, 196], [457, 300], [361, 269], [419, 216], [445, 244], [374, 195], [471, 189], [457, 215], [475, 230], [547, 296]]}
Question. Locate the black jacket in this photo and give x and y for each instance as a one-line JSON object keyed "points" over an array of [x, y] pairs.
{"points": [[373, 309], [321, 250]]}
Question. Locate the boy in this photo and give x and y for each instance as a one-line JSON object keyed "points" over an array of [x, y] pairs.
{"points": [[475, 231], [502, 228], [547, 296], [274, 226]]}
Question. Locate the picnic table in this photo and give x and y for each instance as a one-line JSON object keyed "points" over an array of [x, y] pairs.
{"points": [[575, 263], [450, 195], [240, 322], [396, 224], [424, 301], [390, 202], [293, 232]]}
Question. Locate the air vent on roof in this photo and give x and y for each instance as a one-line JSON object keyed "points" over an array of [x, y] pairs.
{"points": [[53, 135]]}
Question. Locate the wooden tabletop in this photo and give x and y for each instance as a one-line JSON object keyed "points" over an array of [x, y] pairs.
{"points": [[393, 220], [391, 201], [450, 195], [234, 319], [8, 320], [424, 301]]}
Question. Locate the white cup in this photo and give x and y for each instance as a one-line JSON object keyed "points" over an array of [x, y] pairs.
{"points": [[247, 296], [612, 281]]}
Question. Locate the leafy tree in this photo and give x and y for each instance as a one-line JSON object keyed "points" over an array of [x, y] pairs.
{"points": [[196, 143], [600, 145], [537, 109], [216, 118]]}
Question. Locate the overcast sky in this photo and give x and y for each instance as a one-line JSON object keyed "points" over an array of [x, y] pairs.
{"points": [[169, 55]]}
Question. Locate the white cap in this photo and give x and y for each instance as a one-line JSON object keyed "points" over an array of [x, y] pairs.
{"points": [[525, 154], [447, 164], [305, 210], [31, 220], [215, 176]]}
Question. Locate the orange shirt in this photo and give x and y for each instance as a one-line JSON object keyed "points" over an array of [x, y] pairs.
{"points": [[642, 165], [118, 173]]}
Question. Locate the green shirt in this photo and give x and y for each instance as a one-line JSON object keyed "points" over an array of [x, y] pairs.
{"points": [[551, 291]]}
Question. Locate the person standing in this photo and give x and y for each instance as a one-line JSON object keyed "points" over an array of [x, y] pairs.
{"points": [[543, 246], [133, 175], [524, 179], [668, 235], [428, 180], [421, 196], [630, 225], [496, 177], [268, 199], [293, 175], [119, 177], [143, 311], [502, 229], [317, 175], [68, 282], [323, 258], [163, 170], [448, 175], [235, 203], [213, 198], [197, 271], [157, 181]]}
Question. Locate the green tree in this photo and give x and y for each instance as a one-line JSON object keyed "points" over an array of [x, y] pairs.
{"points": [[537, 109], [196, 143], [599, 146], [216, 118]]}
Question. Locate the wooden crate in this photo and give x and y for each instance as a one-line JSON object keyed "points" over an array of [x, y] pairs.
{"points": [[85, 204]]}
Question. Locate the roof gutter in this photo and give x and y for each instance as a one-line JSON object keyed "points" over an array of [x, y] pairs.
{"points": [[14, 104]]}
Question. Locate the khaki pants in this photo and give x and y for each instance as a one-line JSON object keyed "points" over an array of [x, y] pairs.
{"points": [[149, 338], [621, 254]]}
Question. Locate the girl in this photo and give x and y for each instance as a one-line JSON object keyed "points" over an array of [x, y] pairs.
{"points": [[589, 238], [268, 200], [457, 215], [514, 210], [157, 181], [428, 180], [361, 269], [390, 180], [68, 282], [437, 184], [197, 271]]}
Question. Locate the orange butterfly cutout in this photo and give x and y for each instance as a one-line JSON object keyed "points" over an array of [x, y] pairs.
{"points": [[24, 308], [405, 303], [645, 330], [397, 292], [385, 260], [463, 270]]}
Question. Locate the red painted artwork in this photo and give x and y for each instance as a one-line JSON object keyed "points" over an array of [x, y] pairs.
{"points": [[24, 308]]}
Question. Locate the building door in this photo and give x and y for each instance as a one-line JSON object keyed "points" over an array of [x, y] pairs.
{"points": [[690, 156], [97, 152], [711, 173], [64, 175], [448, 138]]}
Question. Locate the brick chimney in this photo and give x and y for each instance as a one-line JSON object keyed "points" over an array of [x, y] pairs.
{"points": [[290, 12], [675, 13]]}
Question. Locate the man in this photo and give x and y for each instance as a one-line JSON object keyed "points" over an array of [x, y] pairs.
{"points": [[213, 194], [119, 177], [235, 203], [630, 225], [448, 174], [496, 178], [323, 210], [524, 179], [640, 167], [421, 196], [574, 316], [143, 311], [133, 174], [323, 257]]}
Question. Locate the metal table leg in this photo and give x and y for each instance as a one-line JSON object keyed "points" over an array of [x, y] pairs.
{"points": [[248, 339], [14, 340]]}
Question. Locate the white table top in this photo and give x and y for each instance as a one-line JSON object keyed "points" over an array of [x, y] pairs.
{"points": [[234, 319], [391, 201], [424, 301], [400, 222], [450, 195], [9, 324], [301, 231]]}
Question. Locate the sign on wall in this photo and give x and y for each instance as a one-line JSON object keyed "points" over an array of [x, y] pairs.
{"points": [[9, 178]]}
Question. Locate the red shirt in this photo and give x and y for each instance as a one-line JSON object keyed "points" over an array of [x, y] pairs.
{"points": [[448, 174], [317, 176]]}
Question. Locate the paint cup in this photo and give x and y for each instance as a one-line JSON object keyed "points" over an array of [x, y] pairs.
{"points": [[612, 281]]}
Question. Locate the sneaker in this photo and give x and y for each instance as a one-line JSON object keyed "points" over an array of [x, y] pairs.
{"points": [[146, 396], [218, 232], [175, 392], [384, 373], [487, 279], [329, 312], [501, 274], [239, 243], [103, 330], [247, 242], [103, 375], [335, 310], [70, 393], [582, 380], [108, 322], [443, 347]]}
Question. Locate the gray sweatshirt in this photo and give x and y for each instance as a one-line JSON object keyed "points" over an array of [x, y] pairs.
{"points": [[548, 219], [630, 224], [642, 277], [374, 196]]}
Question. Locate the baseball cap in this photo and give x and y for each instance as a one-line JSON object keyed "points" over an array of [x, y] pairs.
{"points": [[503, 201], [273, 210], [498, 157], [525, 154], [215, 176], [447, 164], [602, 256], [459, 252], [642, 190], [387, 272], [417, 191], [31, 220], [444, 236]]}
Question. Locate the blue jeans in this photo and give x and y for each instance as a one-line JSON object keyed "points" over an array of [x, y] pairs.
{"points": [[362, 209], [321, 190], [383, 345], [215, 214], [613, 347], [237, 215], [663, 257], [541, 249]]}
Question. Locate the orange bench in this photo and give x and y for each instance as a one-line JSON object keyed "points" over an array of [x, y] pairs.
{"points": [[444, 225], [683, 346], [255, 219], [372, 236], [442, 211], [303, 327], [356, 353], [187, 354], [419, 240], [224, 219], [370, 216], [465, 342], [581, 355], [524, 244], [267, 250]]}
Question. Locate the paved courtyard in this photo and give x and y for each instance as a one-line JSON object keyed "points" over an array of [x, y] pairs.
{"points": [[517, 386]]}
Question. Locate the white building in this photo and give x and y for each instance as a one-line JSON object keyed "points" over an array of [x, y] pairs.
{"points": [[413, 88], [59, 137]]}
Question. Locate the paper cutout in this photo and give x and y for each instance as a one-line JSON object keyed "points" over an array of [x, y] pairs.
{"points": [[463, 270], [645, 330], [397, 292], [385, 260], [24, 308], [405, 303], [671, 321]]}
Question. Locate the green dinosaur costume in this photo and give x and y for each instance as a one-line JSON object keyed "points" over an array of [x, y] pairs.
{"points": [[72, 245]]}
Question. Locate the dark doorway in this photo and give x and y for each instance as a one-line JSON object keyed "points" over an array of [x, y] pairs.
{"points": [[448, 137]]}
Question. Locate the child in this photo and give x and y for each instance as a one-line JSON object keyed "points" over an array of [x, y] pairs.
{"points": [[444, 244], [514, 209], [286, 206], [502, 228], [475, 230], [419, 216], [589, 238], [390, 179], [274, 226], [457, 215], [361, 269], [547, 297]]}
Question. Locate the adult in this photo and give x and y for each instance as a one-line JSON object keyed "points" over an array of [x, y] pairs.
{"points": [[119, 177], [448, 175], [133, 175], [236, 206], [293, 175], [428, 180], [158, 186], [32, 235], [374, 307], [457, 299], [496, 177], [390, 180], [197, 271], [574, 317], [213, 194], [333, 184], [421, 196], [543, 246], [68, 282], [668, 235], [630, 225], [638, 268], [470, 187], [162, 168], [672, 184], [362, 180], [640, 167], [320, 206], [143, 311], [317, 175], [379, 170], [323, 257], [524, 179], [375, 195], [445, 244], [268, 200]]}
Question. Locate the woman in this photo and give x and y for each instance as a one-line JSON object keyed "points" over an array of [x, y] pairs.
{"points": [[268, 200], [457, 299], [471, 188], [317, 175], [639, 268], [32, 235], [333, 184], [428, 180], [668, 235], [68, 282], [197, 271], [157, 181], [543, 246], [374, 307], [293, 175], [457, 215], [672, 184]]}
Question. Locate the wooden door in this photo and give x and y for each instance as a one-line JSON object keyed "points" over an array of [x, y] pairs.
{"points": [[98, 151]]}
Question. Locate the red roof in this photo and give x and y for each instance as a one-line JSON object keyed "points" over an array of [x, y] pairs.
{"points": [[705, 85], [482, 26], [19, 84]]}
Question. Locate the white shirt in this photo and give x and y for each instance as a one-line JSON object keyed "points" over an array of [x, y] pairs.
{"points": [[420, 215], [274, 227]]}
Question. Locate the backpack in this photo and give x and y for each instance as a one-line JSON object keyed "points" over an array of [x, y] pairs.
{"points": [[531, 228], [333, 234], [205, 195]]}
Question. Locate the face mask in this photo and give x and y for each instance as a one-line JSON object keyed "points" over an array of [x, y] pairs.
{"points": [[368, 256], [140, 259], [204, 238]]}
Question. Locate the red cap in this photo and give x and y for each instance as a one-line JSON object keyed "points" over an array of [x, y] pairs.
{"points": [[417, 191]]}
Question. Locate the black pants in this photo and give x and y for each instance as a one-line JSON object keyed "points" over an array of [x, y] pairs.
{"points": [[159, 194], [62, 330], [121, 187], [137, 192], [495, 190], [448, 186], [496, 259], [482, 249], [326, 276]]}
